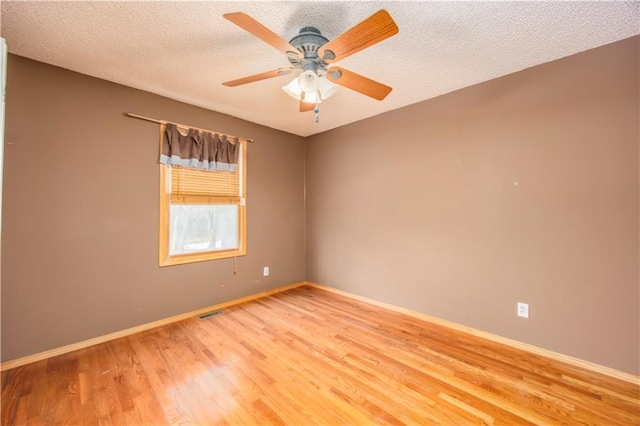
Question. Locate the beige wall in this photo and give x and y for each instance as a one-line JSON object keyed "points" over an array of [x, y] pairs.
{"points": [[80, 220], [523, 188]]}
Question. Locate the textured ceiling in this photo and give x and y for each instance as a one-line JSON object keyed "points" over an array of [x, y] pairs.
{"points": [[185, 50]]}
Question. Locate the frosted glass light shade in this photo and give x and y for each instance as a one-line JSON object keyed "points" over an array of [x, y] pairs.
{"points": [[308, 81], [311, 98], [293, 89], [326, 88]]}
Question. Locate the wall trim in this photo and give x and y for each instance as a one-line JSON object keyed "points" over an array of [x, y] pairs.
{"points": [[143, 327], [577, 362]]}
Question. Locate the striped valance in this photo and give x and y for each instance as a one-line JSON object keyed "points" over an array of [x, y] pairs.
{"points": [[197, 149]]}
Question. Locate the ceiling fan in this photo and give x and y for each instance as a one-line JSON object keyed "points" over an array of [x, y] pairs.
{"points": [[314, 54]]}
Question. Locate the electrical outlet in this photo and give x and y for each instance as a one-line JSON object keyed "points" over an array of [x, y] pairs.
{"points": [[265, 271], [523, 310]]}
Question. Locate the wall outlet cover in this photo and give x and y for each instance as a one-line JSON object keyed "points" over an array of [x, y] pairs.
{"points": [[523, 310]]}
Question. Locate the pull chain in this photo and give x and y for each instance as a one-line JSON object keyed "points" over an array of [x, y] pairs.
{"points": [[316, 110]]}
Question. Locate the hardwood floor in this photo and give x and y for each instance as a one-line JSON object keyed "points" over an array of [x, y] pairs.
{"points": [[307, 356]]}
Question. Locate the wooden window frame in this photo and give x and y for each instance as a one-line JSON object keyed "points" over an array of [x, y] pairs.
{"points": [[165, 258]]}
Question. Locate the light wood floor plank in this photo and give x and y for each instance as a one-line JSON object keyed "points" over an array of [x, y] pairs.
{"points": [[312, 357]]}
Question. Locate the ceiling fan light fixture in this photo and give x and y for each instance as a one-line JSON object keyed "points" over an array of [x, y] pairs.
{"points": [[293, 89], [296, 88]]}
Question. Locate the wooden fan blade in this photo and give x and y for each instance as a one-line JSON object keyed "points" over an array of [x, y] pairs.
{"points": [[254, 27], [357, 82], [258, 77], [372, 30]]}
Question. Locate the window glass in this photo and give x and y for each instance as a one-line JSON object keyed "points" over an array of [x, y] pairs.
{"points": [[203, 227]]}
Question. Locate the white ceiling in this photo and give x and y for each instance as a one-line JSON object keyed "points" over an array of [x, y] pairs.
{"points": [[185, 50]]}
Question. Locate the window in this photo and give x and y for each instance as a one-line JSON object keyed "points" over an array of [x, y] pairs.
{"points": [[202, 213]]}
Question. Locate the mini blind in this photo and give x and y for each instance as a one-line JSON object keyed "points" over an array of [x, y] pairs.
{"points": [[187, 185]]}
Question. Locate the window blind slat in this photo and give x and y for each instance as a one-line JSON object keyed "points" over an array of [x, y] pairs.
{"points": [[203, 199]]}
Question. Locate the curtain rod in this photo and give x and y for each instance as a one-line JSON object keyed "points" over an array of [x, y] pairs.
{"points": [[154, 120]]}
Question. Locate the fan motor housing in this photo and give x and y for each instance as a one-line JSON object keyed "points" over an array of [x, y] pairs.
{"points": [[308, 41]]}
